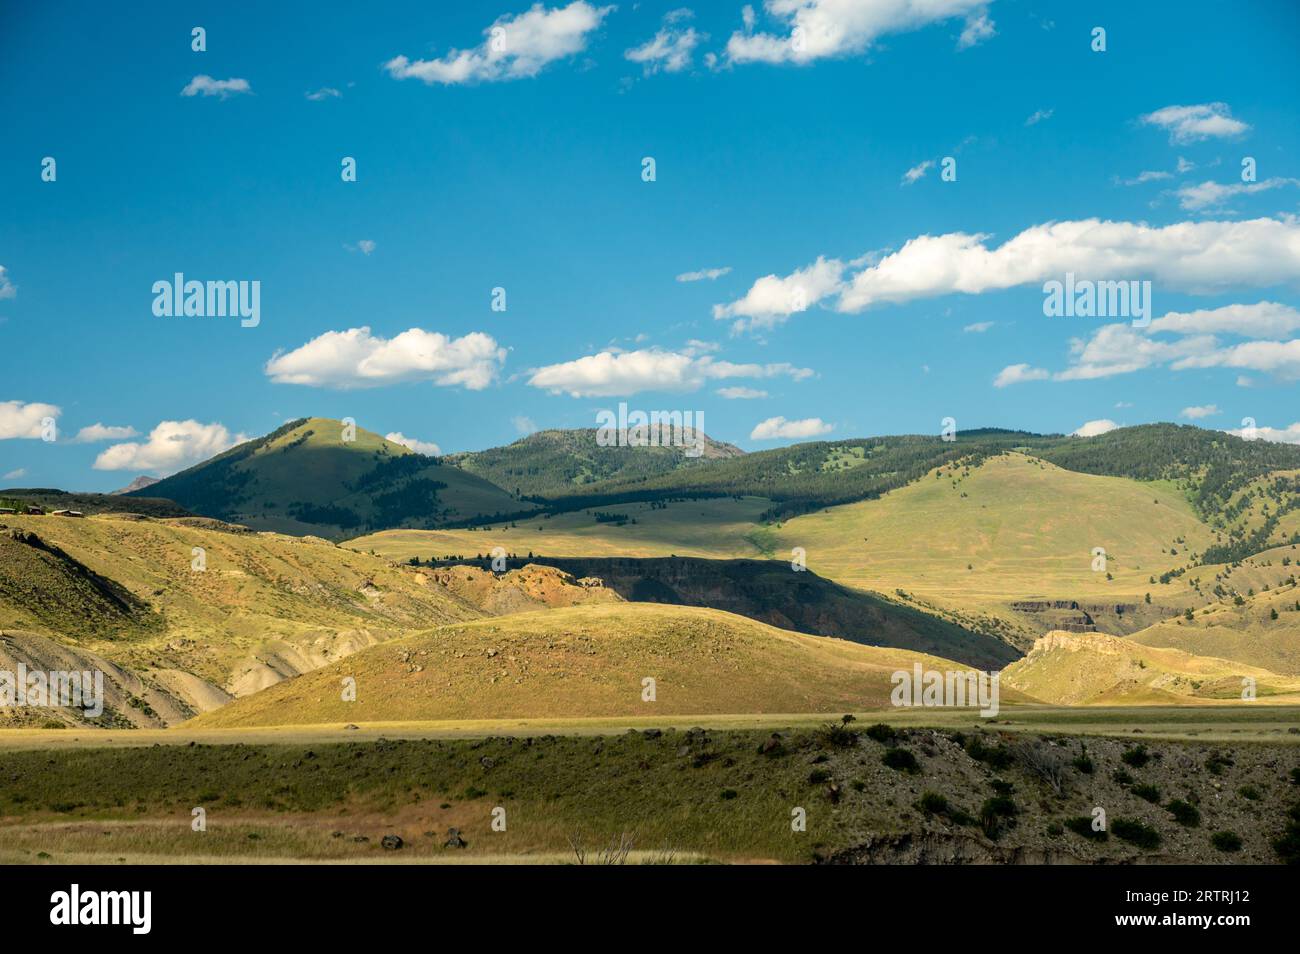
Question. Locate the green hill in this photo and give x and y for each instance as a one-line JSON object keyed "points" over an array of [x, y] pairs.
{"points": [[303, 478], [557, 463]]}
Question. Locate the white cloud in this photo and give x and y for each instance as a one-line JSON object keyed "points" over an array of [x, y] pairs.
{"points": [[979, 327], [1212, 195], [325, 92], [514, 47], [1093, 428], [524, 425], [172, 446], [1194, 123], [741, 394], [771, 300], [817, 29], [1281, 358], [1283, 435], [357, 359], [23, 420], [1198, 257], [618, 374], [365, 247], [7, 288], [104, 432], [918, 171], [978, 29], [1019, 373], [204, 85], [1243, 381], [670, 49], [428, 448], [1147, 175], [775, 428], [1265, 319], [1200, 411], [1039, 116], [704, 274], [15, 474]]}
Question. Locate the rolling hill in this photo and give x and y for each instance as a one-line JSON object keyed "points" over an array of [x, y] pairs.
{"points": [[1075, 669], [304, 478], [555, 463], [586, 662]]}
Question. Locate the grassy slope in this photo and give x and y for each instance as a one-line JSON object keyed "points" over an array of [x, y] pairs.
{"points": [[719, 528], [1024, 528], [257, 589], [588, 661], [257, 483], [1095, 669], [1247, 632]]}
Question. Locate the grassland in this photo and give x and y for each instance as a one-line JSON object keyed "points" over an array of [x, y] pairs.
{"points": [[588, 661], [674, 795]]}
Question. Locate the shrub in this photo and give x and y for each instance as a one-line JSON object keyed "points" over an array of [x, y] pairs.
{"points": [[1083, 827], [902, 760], [1226, 841], [1136, 757], [932, 803], [884, 734], [1136, 833], [1249, 792], [817, 776], [995, 814], [1186, 814], [837, 735], [1147, 792], [995, 756], [1084, 764]]}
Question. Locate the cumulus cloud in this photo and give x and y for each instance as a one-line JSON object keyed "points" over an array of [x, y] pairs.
{"points": [[1212, 195], [1039, 116], [1194, 123], [172, 446], [1265, 319], [95, 433], [428, 448], [1018, 373], [771, 300], [979, 327], [1281, 358], [704, 274], [1280, 435], [365, 247], [818, 29], [204, 85], [775, 428], [1145, 176], [618, 374], [1199, 411], [357, 359], [7, 288], [670, 49], [325, 92], [19, 419], [1193, 257], [514, 47], [1093, 428], [741, 393]]}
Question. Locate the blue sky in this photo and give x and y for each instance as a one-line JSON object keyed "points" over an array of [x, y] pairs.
{"points": [[782, 140]]}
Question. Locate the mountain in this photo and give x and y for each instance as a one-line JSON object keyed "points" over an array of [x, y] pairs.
{"points": [[140, 483], [588, 662], [306, 478], [555, 463]]}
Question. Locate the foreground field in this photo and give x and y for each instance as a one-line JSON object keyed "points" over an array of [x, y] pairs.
{"points": [[914, 795]]}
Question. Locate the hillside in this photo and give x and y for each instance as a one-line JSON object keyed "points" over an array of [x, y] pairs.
{"points": [[586, 662], [555, 463], [1077, 669], [264, 606], [1012, 530], [305, 479]]}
